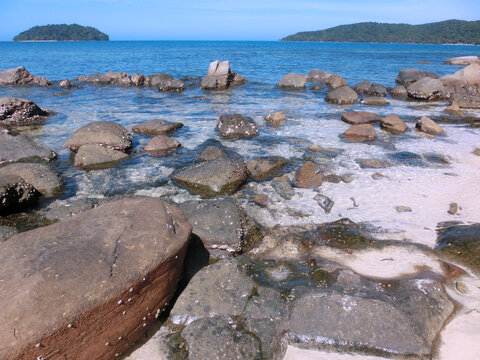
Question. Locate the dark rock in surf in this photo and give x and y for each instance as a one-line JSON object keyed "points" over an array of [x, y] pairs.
{"points": [[408, 76], [234, 126], [19, 112], [15, 195]]}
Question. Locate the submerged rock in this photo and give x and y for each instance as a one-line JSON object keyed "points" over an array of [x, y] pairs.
{"points": [[266, 167], [393, 123], [20, 148], [426, 89], [21, 77], [408, 76], [40, 176], [156, 127], [293, 81], [105, 133], [282, 187], [213, 178], [275, 119], [343, 95], [372, 163], [360, 117], [236, 126], [96, 155], [100, 290], [20, 112], [429, 126], [15, 194], [361, 132], [161, 144]]}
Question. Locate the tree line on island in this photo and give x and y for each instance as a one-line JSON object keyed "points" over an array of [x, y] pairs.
{"points": [[444, 32], [62, 32]]}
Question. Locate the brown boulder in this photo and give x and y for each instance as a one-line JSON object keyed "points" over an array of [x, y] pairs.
{"points": [[94, 155], [335, 81], [156, 127], [429, 126], [393, 124], [266, 167], [360, 117], [310, 175], [275, 119], [361, 132], [21, 77], [88, 286], [161, 145], [105, 133], [375, 100]]}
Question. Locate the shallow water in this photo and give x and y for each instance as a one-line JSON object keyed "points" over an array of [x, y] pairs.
{"points": [[426, 187]]}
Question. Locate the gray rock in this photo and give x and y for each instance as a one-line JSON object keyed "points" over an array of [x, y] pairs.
{"points": [[282, 187], [462, 60], [6, 232], [62, 209], [360, 117], [15, 194], [161, 145], [138, 79], [293, 81], [318, 76], [361, 132], [275, 119], [96, 155], [408, 76], [375, 101], [172, 85], [21, 148], [219, 223], [66, 84], [119, 78], [266, 167], [393, 123], [343, 95], [377, 90], [96, 79], [212, 153], [105, 133], [399, 91], [41, 176], [362, 87], [429, 126], [156, 127], [336, 81], [157, 80], [324, 202], [466, 100], [213, 178], [426, 89], [220, 77], [18, 112], [237, 80], [403, 209], [21, 77], [236, 126], [215, 339]]}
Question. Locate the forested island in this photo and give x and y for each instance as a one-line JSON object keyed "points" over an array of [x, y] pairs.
{"points": [[444, 32], [61, 32]]}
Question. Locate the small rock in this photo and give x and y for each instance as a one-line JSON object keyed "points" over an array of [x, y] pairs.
{"points": [[462, 60], [266, 167], [454, 109], [316, 88], [476, 151], [402, 209], [452, 208], [234, 126], [212, 153], [372, 163], [378, 176], [362, 87], [343, 95], [375, 101], [105, 133], [347, 178], [332, 178], [335, 81], [325, 202], [293, 81], [429, 126], [282, 187], [156, 127], [275, 119], [161, 144], [261, 200], [310, 175], [360, 117], [157, 80], [393, 123], [362, 132], [138, 79]]}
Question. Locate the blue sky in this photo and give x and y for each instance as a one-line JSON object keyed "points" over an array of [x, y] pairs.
{"points": [[223, 19]]}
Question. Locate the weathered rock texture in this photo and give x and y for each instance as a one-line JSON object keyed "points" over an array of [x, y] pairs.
{"points": [[21, 148], [156, 127], [393, 124], [161, 144], [343, 95], [236, 126], [15, 194], [408, 76], [15, 112], [21, 77], [429, 126], [86, 287], [220, 77], [361, 132], [95, 155]]}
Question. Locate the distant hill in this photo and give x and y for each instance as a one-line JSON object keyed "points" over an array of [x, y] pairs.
{"points": [[61, 32], [444, 32]]}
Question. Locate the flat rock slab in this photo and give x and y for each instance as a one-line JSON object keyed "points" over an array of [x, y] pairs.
{"points": [[19, 112], [21, 148], [213, 178], [95, 155], [86, 287], [462, 60], [426, 89], [45, 180], [156, 127], [233, 126], [104, 133], [360, 117]]}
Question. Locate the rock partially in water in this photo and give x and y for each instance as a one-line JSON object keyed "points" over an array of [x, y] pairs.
{"points": [[156, 80], [429, 126], [138, 79], [95, 279], [375, 101], [360, 117], [336, 81], [343, 95], [399, 91], [407, 158], [211, 153], [20, 112], [462, 60], [232, 126], [282, 187], [372, 163], [266, 167], [66, 84], [426, 88], [19, 76], [452, 208], [310, 175], [318, 76], [41, 176], [62, 209], [393, 123], [15, 194], [324, 202], [293, 81], [161, 145], [98, 156], [361, 132], [213, 178], [156, 127], [220, 77], [466, 99], [6, 232], [21, 148], [454, 109], [408, 76], [220, 224], [402, 209], [461, 244], [119, 78], [362, 87], [365, 88], [105, 133], [275, 119]]}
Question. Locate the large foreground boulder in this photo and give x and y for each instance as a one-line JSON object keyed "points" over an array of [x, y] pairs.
{"points": [[15, 111], [15, 194], [21, 148], [293, 81], [20, 77], [343, 95], [220, 77], [105, 133], [88, 286], [213, 178], [234, 126], [408, 76], [426, 89]]}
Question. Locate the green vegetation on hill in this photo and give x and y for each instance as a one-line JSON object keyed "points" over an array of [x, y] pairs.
{"points": [[62, 32], [444, 32]]}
